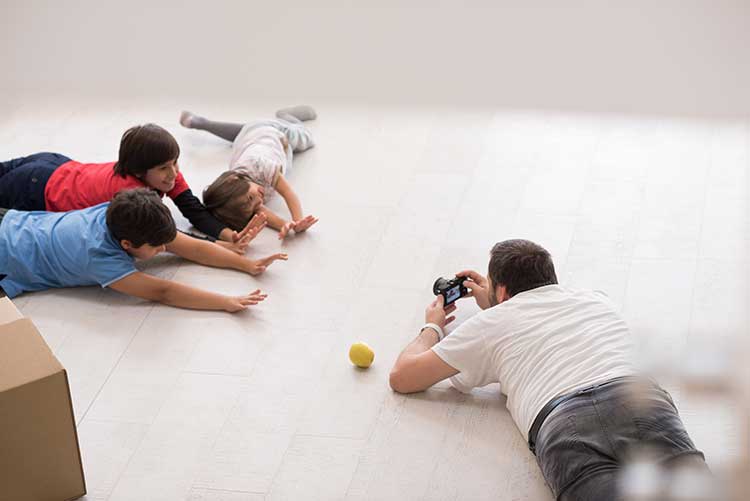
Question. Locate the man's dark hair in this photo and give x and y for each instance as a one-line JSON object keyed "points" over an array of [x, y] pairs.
{"points": [[143, 147], [520, 265], [139, 216]]}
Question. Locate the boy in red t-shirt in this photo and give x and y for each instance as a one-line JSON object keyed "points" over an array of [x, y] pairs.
{"points": [[147, 158]]}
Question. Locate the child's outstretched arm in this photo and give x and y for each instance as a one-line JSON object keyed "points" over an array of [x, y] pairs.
{"points": [[273, 220], [299, 223], [210, 254], [283, 226], [290, 197], [183, 296]]}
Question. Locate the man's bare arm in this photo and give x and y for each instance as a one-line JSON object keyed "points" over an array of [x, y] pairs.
{"points": [[418, 367]]}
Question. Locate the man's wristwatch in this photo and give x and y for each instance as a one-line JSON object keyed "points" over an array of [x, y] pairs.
{"points": [[436, 328]]}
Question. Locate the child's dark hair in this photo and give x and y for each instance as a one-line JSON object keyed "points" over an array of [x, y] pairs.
{"points": [[143, 147], [138, 215], [223, 198]]}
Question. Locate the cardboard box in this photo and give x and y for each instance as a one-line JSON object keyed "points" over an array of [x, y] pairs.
{"points": [[39, 455]]}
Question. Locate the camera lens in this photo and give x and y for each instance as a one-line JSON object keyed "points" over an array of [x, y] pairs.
{"points": [[440, 285]]}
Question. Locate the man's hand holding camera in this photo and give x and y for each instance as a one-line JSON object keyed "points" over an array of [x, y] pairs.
{"points": [[436, 313], [466, 283], [418, 367], [478, 287]]}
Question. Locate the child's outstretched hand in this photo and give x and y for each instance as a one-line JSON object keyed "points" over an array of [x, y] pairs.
{"points": [[259, 266], [304, 223], [258, 221], [298, 226], [239, 303], [241, 241], [251, 229], [238, 247], [266, 261]]}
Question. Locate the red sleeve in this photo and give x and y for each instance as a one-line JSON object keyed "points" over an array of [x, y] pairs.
{"points": [[180, 185]]}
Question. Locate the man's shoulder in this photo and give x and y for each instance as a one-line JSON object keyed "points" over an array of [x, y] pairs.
{"points": [[489, 320], [572, 302], [556, 292], [536, 303], [592, 296]]}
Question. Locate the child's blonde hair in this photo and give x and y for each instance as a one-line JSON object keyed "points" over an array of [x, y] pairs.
{"points": [[225, 199]]}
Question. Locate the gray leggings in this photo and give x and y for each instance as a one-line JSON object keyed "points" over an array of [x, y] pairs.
{"points": [[298, 136], [583, 443]]}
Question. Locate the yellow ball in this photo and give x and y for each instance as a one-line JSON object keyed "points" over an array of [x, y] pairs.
{"points": [[361, 355]]}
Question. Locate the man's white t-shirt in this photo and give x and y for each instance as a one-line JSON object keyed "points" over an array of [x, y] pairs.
{"points": [[538, 345]]}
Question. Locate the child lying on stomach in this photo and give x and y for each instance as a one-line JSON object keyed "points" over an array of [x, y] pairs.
{"points": [[262, 153], [99, 245]]}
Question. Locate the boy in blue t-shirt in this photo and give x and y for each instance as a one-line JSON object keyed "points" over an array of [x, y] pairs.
{"points": [[98, 245]]}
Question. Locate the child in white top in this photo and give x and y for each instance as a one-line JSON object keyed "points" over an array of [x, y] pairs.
{"points": [[262, 154]]}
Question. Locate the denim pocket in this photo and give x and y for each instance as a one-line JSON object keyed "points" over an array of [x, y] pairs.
{"points": [[561, 454]]}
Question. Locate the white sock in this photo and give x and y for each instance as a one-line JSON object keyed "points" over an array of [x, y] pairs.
{"points": [[186, 119]]}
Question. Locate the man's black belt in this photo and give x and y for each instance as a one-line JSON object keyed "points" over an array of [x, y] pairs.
{"points": [[552, 404]]}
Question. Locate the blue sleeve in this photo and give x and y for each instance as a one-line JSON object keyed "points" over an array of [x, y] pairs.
{"points": [[109, 268]]}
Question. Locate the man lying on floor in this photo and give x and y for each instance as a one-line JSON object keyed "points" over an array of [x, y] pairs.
{"points": [[563, 358]]}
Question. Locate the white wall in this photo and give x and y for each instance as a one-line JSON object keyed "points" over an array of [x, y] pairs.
{"points": [[639, 56]]}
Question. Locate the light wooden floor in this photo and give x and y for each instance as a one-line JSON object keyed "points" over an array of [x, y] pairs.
{"points": [[174, 404]]}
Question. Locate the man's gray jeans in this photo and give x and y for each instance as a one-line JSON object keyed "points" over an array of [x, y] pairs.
{"points": [[585, 441]]}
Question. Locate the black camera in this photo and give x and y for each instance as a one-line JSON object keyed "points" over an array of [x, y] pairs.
{"points": [[450, 288]]}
